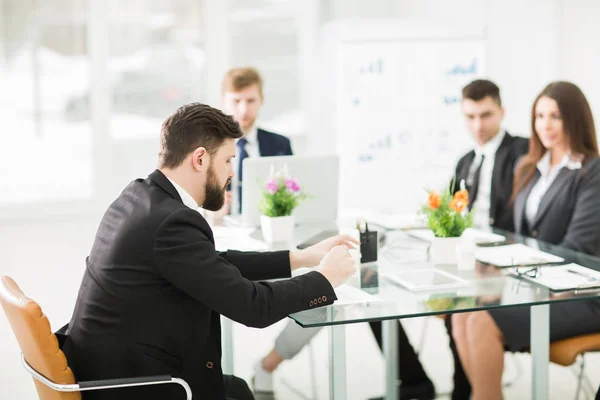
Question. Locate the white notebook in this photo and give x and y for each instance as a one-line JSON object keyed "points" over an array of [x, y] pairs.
{"points": [[514, 255]]}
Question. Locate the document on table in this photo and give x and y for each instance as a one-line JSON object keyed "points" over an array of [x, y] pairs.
{"points": [[479, 236], [565, 277], [348, 294], [227, 237], [514, 255]]}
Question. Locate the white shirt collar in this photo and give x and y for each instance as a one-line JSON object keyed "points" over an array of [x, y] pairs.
{"points": [[252, 136], [489, 149], [567, 161], [187, 198]]}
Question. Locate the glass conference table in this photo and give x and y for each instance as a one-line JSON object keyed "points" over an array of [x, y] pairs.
{"points": [[488, 287]]}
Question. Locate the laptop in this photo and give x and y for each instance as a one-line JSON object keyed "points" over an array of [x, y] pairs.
{"points": [[317, 176]]}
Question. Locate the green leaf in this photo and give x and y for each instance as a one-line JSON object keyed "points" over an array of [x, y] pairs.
{"points": [[444, 221], [282, 202]]}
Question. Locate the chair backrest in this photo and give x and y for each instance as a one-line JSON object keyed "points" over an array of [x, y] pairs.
{"points": [[38, 344]]}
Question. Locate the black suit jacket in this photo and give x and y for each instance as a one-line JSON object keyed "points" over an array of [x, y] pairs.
{"points": [[272, 144], [154, 289], [507, 155], [569, 211]]}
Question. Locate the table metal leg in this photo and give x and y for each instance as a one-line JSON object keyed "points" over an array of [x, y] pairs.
{"points": [[540, 351], [390, 352], [337, 360]]}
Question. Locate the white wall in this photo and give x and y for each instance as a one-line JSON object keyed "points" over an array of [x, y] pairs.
{"points": [[529, 43], [580, 49]]}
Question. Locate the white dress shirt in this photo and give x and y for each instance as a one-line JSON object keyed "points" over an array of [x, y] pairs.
{"points": [[187, 198], [548, 175], [481, 206]]}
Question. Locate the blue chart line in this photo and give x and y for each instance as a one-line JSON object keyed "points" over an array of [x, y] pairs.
{"points": [[449, 100], [459, 69], [383, 143], [375, 67]]}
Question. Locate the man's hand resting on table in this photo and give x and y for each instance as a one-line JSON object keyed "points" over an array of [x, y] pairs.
{"points": [[331, 256], [337, 266]]}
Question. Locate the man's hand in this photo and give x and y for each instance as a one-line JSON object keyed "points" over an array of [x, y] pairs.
{"points": [[337, 266], [312, 256]]}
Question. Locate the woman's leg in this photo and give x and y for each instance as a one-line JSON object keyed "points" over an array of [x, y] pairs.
{"points": [[481, 349]]}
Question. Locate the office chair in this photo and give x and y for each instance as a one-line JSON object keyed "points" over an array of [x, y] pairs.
{"points": [[571, 352], [43, 359]]}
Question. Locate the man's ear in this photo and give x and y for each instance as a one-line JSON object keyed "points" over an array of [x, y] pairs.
{"points": [[200, 159]]}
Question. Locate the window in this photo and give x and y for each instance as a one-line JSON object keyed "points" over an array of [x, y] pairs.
{"points": [[45, 155], [157, 63]]}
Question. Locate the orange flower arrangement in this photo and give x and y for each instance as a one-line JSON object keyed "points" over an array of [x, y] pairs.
{"points": [[447, 214], [434, 200], [460, 201]]}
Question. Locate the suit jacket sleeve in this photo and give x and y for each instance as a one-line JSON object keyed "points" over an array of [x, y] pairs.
{"points": [[288, 151], [583, 232], [186, 257], [260, 265]]}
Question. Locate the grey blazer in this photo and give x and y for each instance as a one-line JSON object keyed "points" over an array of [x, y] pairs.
{"points": [[569, 212]]}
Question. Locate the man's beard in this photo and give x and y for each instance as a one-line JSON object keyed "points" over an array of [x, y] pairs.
{"points": [[215, 193]]}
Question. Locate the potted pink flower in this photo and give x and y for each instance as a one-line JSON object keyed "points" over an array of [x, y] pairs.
{"points": [[281, 195]]}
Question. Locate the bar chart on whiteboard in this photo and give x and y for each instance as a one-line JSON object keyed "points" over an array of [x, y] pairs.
{"points": [[399, 125]]}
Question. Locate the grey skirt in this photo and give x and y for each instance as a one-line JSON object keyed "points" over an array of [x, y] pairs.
{"points": [[567, 319]]}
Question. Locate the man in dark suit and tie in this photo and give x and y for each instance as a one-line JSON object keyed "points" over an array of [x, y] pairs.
{"points": [[242, 98], [488, 171], [154, 287], [489, 168]]}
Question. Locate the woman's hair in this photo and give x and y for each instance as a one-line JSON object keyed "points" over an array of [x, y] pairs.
{"points": [[578, 125]]}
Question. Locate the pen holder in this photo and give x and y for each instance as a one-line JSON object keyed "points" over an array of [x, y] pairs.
{"points": [[368, 246]]}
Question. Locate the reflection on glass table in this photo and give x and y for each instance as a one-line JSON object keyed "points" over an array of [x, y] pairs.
{"points": [[487, 287]]}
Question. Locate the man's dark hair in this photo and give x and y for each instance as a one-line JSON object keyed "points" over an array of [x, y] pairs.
{"points": [[191, 126], [480, 89]]}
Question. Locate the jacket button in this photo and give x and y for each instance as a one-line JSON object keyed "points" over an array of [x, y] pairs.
{"points": [[209, 365], [311, 303], [492, 221], [324, 298], [534, 233], [320, 301]]}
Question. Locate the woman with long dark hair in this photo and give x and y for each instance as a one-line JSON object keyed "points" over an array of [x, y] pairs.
{"points": [[556, 199]]}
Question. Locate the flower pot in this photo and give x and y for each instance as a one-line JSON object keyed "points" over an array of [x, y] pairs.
{"points": [[443, 250], [277, 229]]}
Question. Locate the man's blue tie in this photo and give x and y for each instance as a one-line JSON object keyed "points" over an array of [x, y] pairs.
{"points": [[242, 154]]}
